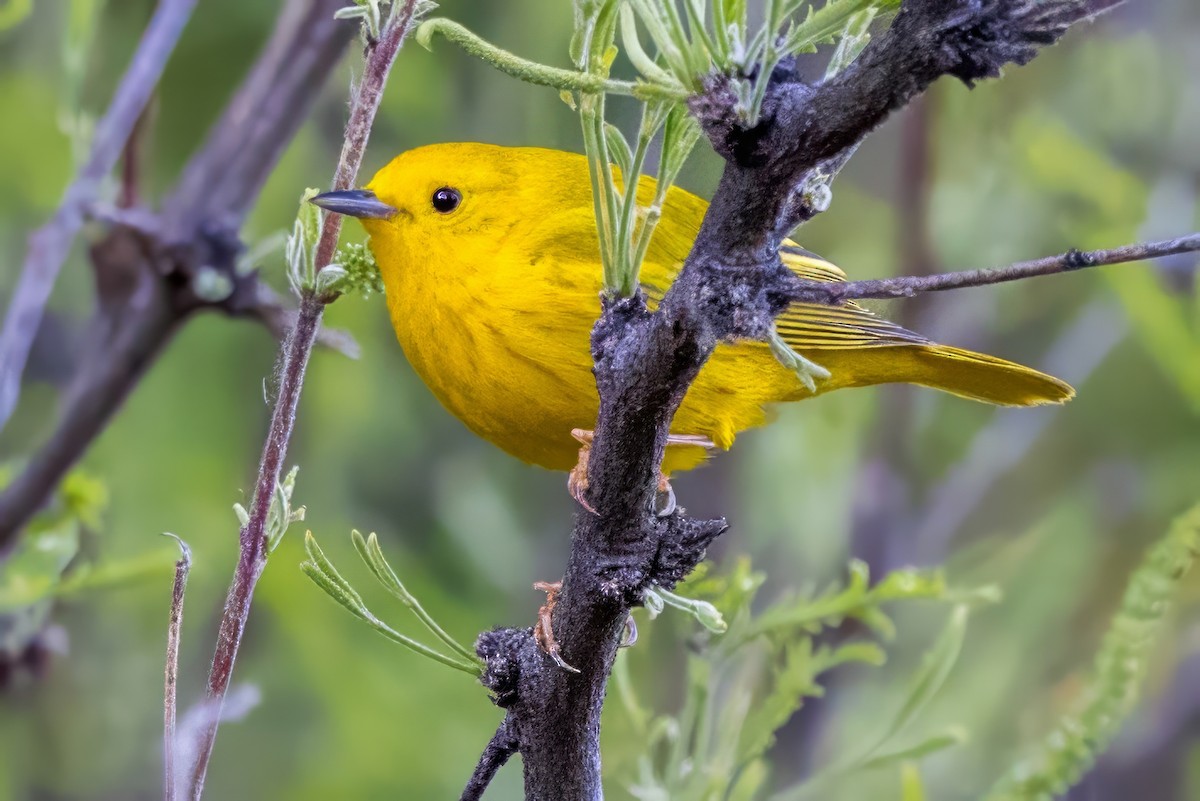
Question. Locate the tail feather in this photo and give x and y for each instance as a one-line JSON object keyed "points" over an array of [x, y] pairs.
{"points": [[954, 370]]}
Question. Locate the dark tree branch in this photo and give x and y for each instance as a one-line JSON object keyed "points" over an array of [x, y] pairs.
{"points": [[146, 267], [497, 752], [252, 555], [732, 285], [50, 244]]}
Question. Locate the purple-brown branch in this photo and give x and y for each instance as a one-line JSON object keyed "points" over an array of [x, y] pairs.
{"points": [[252, 557], [146, 265], [50, 244]]}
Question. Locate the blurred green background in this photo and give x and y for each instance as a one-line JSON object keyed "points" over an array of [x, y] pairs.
{"points": [[1094, 144]]}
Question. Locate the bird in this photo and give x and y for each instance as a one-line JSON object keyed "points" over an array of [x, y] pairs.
{"points": [[491, 267]]}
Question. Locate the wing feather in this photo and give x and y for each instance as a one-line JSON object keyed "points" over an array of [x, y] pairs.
{"points": [[847, 325]]}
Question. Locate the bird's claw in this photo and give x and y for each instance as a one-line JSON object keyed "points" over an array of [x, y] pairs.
{"points": [[577, 480], [543, 631], [664, 497], [630, 634]]}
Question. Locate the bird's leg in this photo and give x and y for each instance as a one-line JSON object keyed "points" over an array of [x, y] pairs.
{"points": [[664, 502], [543, 631], [577, 481]]}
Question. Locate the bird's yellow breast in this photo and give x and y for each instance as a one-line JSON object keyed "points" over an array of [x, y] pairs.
{"points": [[506, 349]]}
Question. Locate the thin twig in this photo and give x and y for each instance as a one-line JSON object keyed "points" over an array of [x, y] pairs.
{"points": [[497, 752], [362, 118], [50, 244], [910, 285], [296, 352], [252, 557], [172, 669]]}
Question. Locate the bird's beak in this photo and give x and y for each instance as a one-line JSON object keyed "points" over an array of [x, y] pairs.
{"points": [[360, 203]]}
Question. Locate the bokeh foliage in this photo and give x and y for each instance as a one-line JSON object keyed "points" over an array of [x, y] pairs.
{"points": [[1091, 145]]}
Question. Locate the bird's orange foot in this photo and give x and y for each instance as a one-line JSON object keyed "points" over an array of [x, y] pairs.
{"points": [[577, 481], [543, 631]]}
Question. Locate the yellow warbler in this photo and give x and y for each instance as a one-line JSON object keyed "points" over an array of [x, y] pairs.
{"points": [[491, 263]]}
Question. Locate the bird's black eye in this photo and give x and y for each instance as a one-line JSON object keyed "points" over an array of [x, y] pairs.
{"points": [[446, 200]]}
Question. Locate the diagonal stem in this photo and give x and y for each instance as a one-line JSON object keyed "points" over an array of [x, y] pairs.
{"points": [[252, 558], [172, 669]]}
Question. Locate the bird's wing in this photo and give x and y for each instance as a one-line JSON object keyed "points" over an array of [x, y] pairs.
{"points": [[846, 325], [802, 325]]}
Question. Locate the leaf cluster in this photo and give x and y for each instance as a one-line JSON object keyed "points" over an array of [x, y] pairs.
{"points": [[321, 571], [744, 685], [1120, 668]]}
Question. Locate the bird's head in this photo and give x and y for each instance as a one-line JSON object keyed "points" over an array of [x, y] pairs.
{"points": [[447, 205]]}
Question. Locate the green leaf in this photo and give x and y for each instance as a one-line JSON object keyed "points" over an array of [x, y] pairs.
{"points": [[618, 149], [703, 612], [824, 25], [809, 372], [33, 571], [280, 514], [321, 571], [938, 663], [855, 36], [908, 754], [300, 252]]}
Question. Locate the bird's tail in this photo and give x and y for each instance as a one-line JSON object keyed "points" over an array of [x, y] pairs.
{"points": [[954, 370], [941, 367]]}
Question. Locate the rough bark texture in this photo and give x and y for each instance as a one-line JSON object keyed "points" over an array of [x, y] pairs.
{"points": [[731, 286]]}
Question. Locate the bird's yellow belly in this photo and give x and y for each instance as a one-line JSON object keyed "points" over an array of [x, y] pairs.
{"points": [[523, 380]]}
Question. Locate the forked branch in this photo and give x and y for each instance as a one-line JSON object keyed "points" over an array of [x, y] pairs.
{"points": [[50, 244]]}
